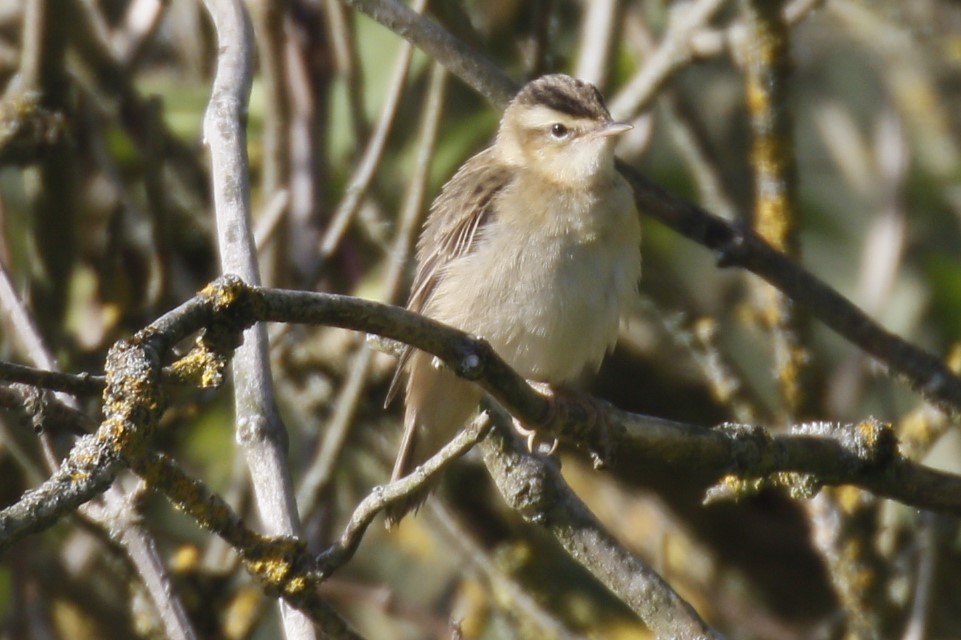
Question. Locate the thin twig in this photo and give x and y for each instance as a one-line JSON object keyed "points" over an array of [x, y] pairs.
{"points": [[367, 168], [383, 496], [347, 59], [31, 50], [508, 593], [673, 53], [690, 138], [929, 552], [321, 468], [78, 384], [469, 65], [121, 517]]}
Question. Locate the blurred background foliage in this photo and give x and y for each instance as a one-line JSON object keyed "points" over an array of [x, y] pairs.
{"points": [[106, 222]]}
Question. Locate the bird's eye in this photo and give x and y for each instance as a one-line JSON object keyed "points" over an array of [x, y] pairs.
{"points": [[559, 131]]}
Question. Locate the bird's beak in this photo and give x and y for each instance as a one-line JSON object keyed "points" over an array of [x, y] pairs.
{"points": [[612, 129]]}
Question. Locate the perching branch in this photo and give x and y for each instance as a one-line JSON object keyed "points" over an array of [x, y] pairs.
{"points": [[864, 455], [533, 486]]}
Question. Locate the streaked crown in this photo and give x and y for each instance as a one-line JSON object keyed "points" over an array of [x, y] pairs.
{"points": [[565, 95]]}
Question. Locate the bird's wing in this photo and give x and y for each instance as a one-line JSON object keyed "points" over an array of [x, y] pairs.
{"points": [[464, 206]]}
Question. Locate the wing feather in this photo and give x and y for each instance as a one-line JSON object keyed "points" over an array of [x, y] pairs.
{"points": [[464, 206]]}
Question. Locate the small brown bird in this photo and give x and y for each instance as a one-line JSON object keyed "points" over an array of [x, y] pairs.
{"points": [[534, 245]]}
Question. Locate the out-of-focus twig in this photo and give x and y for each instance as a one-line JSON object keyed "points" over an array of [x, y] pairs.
{"points": [[775, 219], [321, 468], [690, 139], [467, 64], [347, 59], [882, 182], [268, 19], [597, 39], [909, 81], [364, 174], [511, 595], [844, 528], [929, 551], [140, 22], [31, 50], [673, 52]]}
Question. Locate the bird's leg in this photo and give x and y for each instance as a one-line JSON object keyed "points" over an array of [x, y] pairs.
{"points": [[574, 416]]}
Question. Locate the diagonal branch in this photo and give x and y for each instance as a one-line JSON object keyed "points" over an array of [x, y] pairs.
{"points": [[533, 486], [734, 245]]}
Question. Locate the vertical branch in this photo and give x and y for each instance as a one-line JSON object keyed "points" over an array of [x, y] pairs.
{"points": [[307, 84], [347, 58], [772, 158], [845, 527], [268, 20], [597, 40], [260, 431], [32, 49]]}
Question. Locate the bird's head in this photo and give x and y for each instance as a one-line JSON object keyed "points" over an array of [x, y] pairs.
{"points": [[560, 127]]}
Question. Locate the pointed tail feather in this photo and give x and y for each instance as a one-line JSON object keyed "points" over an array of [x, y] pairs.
{"points": [[438, 404]]}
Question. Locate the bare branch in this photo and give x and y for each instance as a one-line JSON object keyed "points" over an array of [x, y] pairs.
{"points": [[260, 431], [533, 486], [382, 497], [364, 174], [465, 63]]}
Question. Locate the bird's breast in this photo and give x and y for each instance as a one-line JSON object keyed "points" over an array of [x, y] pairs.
{"points": [[547, 290]]}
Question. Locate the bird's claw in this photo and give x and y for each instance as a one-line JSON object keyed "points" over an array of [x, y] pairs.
{"points": [[536, 443], [577, 418]]}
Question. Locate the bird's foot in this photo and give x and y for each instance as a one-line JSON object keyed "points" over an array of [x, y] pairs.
{"points": [[572, 416]]}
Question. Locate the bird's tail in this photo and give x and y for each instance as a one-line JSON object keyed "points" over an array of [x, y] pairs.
{"points": [[438, 404]]}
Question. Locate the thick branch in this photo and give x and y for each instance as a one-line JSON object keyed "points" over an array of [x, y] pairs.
{"points": [[533, 486], [260, 431], [864, 454]]}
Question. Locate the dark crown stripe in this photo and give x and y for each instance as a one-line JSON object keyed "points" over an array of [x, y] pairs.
{"points": [[565, 95]]}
